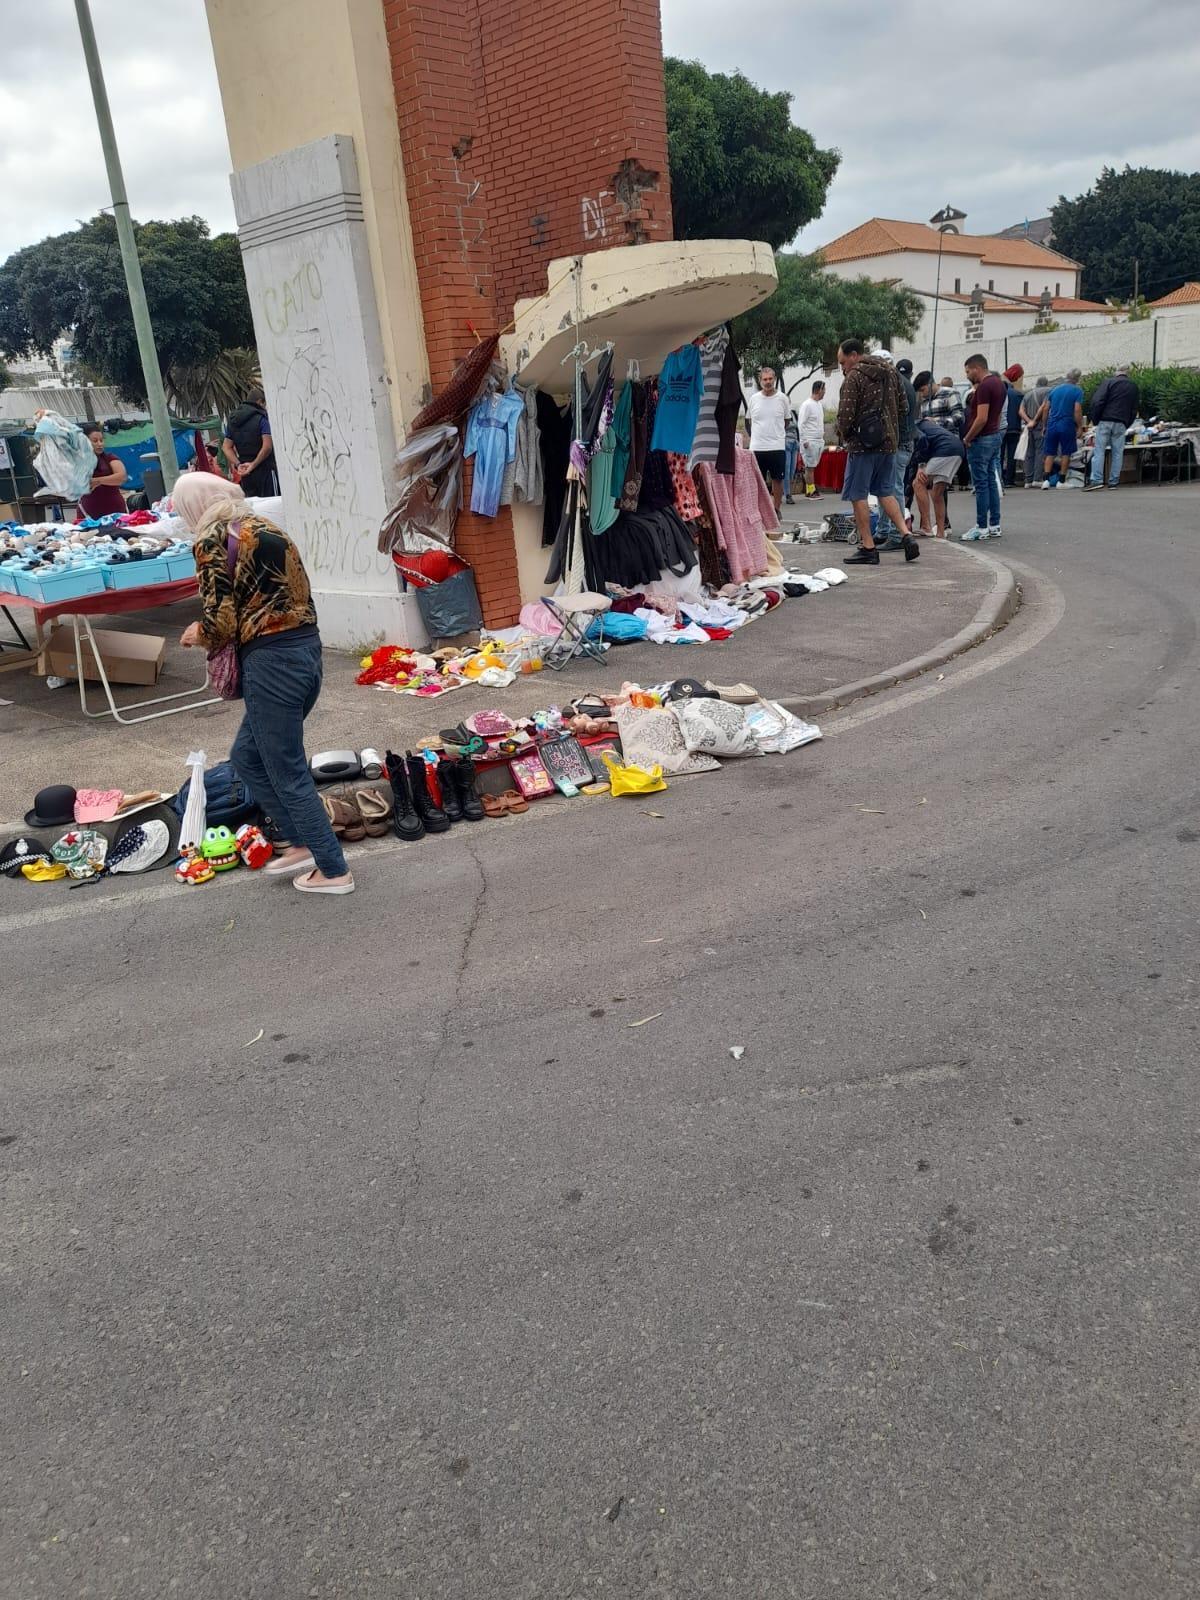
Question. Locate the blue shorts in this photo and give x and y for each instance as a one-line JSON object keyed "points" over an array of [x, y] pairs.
{"points": [[873, 473], [1060, 440]]}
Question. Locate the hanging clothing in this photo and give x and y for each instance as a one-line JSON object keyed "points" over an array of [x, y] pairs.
{"points": [[639, 437], [462, 388], [492, 440], [680, 388], [742, 512], [527, 478], [730, 401], [712, 359], [622, 427], [683, 486], [602, 473], [554, 446]]}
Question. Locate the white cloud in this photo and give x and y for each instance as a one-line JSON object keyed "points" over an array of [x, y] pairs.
{"points": [[162, 87], [968, 105]]}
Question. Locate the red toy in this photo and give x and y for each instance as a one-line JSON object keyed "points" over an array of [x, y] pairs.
{"points": [[193, 869], [253, 847]]}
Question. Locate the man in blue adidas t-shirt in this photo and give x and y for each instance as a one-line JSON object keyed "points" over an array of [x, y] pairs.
{"points": [[1062, 416]]}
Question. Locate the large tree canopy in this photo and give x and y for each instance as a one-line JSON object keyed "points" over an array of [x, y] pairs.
{"points": [[75, 282], [1144, 214], [739, 169], [812, 311]]}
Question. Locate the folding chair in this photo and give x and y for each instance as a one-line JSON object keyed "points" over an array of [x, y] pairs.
{"points": [[575, 613]]}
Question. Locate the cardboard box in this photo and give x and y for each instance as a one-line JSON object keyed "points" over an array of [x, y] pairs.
{"points": [[127, 657]]}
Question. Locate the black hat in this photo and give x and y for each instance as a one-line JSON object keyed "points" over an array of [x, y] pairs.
{"points": [[905, 367], [19, 851], [53, 807], [690, 689]]}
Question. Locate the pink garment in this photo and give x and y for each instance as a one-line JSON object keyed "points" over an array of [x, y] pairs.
{"points": [[742, 512], [537, 618], [97, 805]]}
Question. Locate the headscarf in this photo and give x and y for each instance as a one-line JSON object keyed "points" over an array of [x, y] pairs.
{"points": [[1015, 373], [203, 500]]}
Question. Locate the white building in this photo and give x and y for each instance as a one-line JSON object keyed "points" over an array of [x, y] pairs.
{"points": [[975, 287], [1181, 302]]}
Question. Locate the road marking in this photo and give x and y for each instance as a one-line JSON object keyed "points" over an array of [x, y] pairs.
{"points": [[1043, 610]]}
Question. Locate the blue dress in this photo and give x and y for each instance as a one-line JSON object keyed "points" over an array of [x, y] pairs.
{"points": [[492, 440]]}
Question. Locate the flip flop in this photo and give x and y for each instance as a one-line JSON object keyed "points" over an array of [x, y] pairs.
{"points": [[493, 805], [374, 810]]}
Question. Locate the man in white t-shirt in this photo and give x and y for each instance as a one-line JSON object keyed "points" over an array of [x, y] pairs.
{"points": [[769, 411], [812, 436]]}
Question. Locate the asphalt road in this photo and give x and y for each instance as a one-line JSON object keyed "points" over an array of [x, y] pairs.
{"points": [[373, 1249]]}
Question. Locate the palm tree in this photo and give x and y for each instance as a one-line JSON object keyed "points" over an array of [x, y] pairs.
{"points": [[213, 388]]}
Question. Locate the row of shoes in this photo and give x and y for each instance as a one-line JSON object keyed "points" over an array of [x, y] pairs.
{"points": [[416, 811]]}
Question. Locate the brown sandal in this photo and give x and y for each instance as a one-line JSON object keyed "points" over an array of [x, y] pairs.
{"points": [[493, 805], [514, 800]]}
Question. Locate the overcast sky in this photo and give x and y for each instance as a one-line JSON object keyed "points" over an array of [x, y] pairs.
{"points": [[973, 106]]}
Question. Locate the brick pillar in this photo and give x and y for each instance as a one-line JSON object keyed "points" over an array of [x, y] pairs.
{"points": [[528, 131]]}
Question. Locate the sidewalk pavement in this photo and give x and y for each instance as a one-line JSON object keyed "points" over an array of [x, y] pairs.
{"points": [[805, 652]]}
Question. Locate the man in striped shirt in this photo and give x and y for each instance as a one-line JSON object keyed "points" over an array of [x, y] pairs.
{"points": [[945, 408]]}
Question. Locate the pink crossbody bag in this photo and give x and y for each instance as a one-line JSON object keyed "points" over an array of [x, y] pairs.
{"points": [[224, 670]]}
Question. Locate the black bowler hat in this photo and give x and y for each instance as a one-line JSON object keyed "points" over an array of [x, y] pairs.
{"points": [[53, 807]]}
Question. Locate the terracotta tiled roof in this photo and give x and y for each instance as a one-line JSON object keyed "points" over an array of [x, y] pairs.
{"points": [[1188, 294], [1025, 302], [880, 237]]}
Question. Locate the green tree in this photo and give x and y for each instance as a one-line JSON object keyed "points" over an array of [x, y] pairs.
{"points": [[812, 311], [739, 168], [74, 282], [1143, 213]]}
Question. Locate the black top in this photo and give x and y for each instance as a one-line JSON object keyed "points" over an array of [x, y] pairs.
{"points": [[1116, 400]]}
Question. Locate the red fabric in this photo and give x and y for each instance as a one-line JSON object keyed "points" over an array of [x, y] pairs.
{"points": [[138, 519], [718, 633], [106, 498], [427, 566], [204, 460], [830, 471], [113, 602]]}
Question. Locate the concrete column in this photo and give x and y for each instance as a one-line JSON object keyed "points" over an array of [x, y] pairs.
{"points": [[316, 323]]}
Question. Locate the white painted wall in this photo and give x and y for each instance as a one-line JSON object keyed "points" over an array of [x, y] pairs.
{"points": [[316, 325], [920, 271]]}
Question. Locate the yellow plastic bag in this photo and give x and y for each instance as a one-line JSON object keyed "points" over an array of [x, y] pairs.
{"points": [[629, 779]]}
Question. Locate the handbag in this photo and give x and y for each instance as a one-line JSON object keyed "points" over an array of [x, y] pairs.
{"points": [[224, 669], [1022, 449]]}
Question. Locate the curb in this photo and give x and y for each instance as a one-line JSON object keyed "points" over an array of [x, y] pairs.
{"points": [[997, 609]]}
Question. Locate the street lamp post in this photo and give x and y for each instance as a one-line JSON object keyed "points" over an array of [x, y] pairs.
{"points": [[151, 373], [945, 221]]}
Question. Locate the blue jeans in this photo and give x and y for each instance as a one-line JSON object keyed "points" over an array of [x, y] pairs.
{"points": [[903, 457], [983, 458], [280, 685], [1109, 436], [790, 450]]}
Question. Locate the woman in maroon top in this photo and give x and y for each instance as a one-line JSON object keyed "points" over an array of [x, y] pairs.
{"points": [[104, 497]]}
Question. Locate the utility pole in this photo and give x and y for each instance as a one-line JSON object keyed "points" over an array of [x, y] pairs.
{"points": [[151, 373]]}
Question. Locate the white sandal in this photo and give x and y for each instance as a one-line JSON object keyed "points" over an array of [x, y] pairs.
{"points": [[306, 886]]}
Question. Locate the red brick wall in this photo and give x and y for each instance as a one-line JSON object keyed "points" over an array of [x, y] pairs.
{"points": [[529, 129]]}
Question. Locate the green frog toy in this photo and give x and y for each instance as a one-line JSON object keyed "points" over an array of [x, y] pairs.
{"points": [[219, 848]]}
